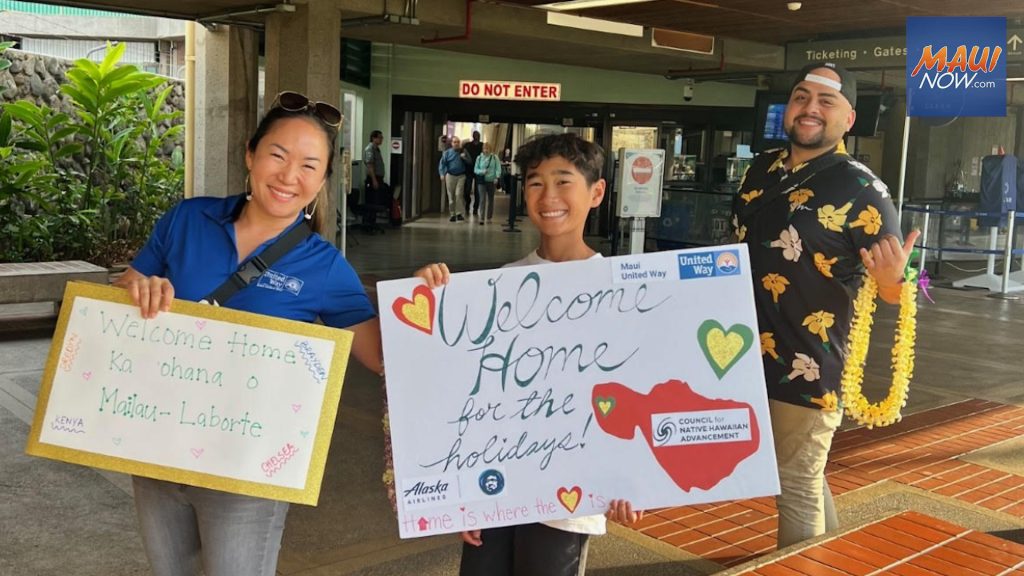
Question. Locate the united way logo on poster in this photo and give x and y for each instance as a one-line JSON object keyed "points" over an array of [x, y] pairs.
{"points": [[956, 66], [540, 393]]}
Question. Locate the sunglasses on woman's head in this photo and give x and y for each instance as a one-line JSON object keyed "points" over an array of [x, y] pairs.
{"points": [[295, 102]]}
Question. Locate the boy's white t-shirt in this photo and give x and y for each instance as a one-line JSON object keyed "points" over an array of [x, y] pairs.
{"points": [[594, 525]]}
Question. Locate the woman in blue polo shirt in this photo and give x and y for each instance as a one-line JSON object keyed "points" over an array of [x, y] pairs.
{"points": [[195, 247]]}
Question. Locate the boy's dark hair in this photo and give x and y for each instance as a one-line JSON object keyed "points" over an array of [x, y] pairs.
{"points": [[586, 156], [375, 133]]}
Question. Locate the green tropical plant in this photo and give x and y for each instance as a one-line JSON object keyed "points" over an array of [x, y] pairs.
{"points": [[4, 62], [92, 184], [47, 131], [96, 91]]}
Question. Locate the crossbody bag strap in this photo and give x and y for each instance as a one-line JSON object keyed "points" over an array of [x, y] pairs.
{"points": [[248, 272]]}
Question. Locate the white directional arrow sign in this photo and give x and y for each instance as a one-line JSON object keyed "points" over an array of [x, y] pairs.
{"points": [[1014, 42]]}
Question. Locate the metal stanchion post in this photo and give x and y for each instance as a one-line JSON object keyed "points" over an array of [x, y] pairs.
{"points": [[513, 181], [636, 236], [993, 241], [924, 242], [521, 191], [1007, 260]]}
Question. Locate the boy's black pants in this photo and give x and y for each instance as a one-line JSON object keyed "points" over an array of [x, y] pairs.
{"points": [[527, 550]]}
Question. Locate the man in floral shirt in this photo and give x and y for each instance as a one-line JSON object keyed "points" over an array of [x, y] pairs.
{"points": [[814, 220]]}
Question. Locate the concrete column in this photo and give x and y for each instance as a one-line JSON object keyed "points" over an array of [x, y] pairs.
{"points": [[303, 54], [226, 87]]}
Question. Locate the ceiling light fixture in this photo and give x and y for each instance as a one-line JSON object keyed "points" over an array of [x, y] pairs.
{"points": [[595, 25], [573, 5], [793, 6]]}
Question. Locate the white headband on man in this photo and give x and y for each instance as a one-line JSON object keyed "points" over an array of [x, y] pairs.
{"points": [[824, 81]]}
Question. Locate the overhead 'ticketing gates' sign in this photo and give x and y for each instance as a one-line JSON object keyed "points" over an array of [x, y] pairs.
{"points": [[875, 53]]}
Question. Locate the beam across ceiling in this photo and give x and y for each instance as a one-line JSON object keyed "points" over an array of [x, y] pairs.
{"points": [[176, 9]]}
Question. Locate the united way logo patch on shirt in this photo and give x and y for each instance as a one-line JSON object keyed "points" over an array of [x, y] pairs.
{"points": [[280, 282], [709, 264]]}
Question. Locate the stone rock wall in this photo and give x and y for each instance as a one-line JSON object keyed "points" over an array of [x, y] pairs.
{"points": [[38, 78]]}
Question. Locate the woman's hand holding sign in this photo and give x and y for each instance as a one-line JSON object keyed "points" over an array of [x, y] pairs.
{"points": [[152, 294]]}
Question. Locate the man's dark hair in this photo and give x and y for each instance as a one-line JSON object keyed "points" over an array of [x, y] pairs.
{"points": [[375, 133], [586, 156]]}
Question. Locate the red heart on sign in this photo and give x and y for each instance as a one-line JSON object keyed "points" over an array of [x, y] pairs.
{"points": [[570, 498], [417, 312]]}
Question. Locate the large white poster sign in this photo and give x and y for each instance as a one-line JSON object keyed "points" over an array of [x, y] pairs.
{"points": [[538, 393], [200, 395]]}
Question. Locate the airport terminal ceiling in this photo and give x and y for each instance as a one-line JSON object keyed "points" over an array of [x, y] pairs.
{"points": [[755, 32], [766, 21]]}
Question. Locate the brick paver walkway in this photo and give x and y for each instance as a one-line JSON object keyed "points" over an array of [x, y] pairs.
{"points": [[907, 544], [921, 451]]}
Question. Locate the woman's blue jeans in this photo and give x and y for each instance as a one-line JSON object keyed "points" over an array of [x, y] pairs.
{"points": [[185, 529]]}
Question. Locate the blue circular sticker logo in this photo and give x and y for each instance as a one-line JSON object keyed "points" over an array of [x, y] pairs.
{"points": [[727, 263], [491, 482]]}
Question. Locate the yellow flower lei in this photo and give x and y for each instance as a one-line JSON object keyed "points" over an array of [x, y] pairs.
{"points": [[856, 405]]}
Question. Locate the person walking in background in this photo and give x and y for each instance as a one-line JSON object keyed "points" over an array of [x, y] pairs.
{"points": [[453, 178], [472, 150], [487, 171]]}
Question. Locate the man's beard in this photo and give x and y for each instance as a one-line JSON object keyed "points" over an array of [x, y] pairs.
{"points": [[816, 141]]}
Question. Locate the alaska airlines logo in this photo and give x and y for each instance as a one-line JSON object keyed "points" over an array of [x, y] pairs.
{"points": [[960, 71], [428, 492], [424, 489]]}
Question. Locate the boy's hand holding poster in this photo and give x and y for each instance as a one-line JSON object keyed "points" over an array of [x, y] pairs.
{"points": [[199, 395], [537, 393]]}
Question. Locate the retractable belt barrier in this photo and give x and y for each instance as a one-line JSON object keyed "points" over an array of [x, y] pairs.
{"points": [[994, 283]]}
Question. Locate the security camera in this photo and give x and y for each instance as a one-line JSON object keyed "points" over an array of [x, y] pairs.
{"points": [[688, 92]]}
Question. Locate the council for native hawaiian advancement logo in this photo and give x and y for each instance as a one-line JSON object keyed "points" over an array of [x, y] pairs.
{"points": [[956, 66]]}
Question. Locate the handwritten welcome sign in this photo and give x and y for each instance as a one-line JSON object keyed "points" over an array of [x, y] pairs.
{"points": [[199, 395], [540, 393]]}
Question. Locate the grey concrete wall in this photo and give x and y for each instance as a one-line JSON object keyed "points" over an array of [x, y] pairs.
{"points": [[105, 28], [935, 150]]}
